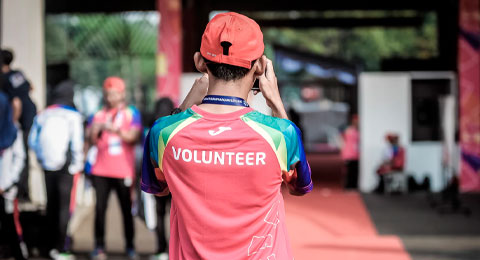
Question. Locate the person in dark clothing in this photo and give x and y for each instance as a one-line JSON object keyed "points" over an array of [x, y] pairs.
{"points": [[17, 87], [163, 107], [11, 163], [8, 131], [351, 153]]}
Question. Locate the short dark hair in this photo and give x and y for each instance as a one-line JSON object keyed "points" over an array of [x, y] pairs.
{"points": [[7, 57], [226, 72]]}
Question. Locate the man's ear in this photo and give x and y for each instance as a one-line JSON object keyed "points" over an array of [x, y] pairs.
{"points": [[199, 62], [259, 66]]}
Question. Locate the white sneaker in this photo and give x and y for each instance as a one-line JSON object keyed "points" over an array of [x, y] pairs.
{"points": [[161, 256], [65, 256], [98, 254], [53, 253]]}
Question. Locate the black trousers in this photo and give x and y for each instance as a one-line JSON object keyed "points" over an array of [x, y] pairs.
{"points": [[9, 236], [162, 245], [59, 187], [351, 181], [23, 192], [103, 186]]}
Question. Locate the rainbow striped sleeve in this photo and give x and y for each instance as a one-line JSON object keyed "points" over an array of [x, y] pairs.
{"points": [[285, 139], [153, 179], [134, 117]]}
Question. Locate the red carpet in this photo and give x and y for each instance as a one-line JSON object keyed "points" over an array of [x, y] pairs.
{"points": [[333, 224]]}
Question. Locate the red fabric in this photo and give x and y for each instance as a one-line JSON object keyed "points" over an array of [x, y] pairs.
{"points": [[169, 57], [398, 160], [16, 218], [243, 33], [116, 158], [351, 139], [469, 86], [397, 163]]}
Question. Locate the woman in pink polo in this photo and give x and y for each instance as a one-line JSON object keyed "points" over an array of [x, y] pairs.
{"points": [[350, 153], [114, 130]]}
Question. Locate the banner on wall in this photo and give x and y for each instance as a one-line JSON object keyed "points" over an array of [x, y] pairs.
{"points": [[469, 83], [169, 55]]}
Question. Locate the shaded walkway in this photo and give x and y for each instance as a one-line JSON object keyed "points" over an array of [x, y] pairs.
{"points": [[333, 224]]}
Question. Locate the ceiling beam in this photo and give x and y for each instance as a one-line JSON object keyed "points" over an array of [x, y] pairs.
{"points": [[109, 6]]}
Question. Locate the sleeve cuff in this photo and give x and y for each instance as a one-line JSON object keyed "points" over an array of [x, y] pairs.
{"points": [[306, 189], [151, 189]]}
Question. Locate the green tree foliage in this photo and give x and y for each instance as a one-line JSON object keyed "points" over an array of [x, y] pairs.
{"points": [[365, 46], [97, 46]]}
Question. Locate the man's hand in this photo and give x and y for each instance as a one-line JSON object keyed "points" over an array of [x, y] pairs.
{"points": [[94, 132], [196, 93], [269, 87], [109, 127]]}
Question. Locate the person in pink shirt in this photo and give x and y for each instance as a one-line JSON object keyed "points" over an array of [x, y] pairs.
{"points": [[223, 162], [350, 153], [114, 130]]}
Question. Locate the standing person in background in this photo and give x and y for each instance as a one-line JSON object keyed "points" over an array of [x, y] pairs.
{"points": [[114, 130], [12, 159], [57, 139], [18, 89], [350, 153], [163, 107]]}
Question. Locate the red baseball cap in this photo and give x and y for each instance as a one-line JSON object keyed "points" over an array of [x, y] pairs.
{"points": [[115, 83], [232, 38], [391, 137]]}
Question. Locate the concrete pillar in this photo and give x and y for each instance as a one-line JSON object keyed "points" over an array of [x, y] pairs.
{"points": [[22, 29]]}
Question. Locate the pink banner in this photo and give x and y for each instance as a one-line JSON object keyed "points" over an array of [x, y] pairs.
{"points": [[469, 84], [169, 57]]}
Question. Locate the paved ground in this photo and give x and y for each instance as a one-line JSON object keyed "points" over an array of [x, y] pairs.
{"points": [[83, 238], [330, 223], [426, 233]]}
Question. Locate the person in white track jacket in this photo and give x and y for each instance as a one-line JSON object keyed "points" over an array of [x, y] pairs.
{"points": [[57, 139]]}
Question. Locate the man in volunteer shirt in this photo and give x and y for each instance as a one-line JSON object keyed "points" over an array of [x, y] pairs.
{"points": [[114, 130], [223, 162]]}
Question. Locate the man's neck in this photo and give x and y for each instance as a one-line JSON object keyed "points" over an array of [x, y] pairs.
{"points": [[238, 88], [228, 88], [5, 69]]}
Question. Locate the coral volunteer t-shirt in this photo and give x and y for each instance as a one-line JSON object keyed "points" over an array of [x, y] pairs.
{"points": [[116, 158], [224, 172]]}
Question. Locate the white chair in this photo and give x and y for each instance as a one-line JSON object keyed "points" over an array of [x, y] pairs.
{"points": [[396, 182]]}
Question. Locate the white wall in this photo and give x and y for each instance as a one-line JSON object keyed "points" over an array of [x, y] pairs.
{"points": [[23, 32], [424, 159], [384, 106]]}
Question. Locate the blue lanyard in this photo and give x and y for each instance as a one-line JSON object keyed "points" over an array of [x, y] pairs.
{"points": [[224, 100]]}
